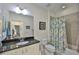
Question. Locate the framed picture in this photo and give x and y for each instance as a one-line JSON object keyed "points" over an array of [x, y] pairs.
{"points": [[27, 27], [42, 25]]}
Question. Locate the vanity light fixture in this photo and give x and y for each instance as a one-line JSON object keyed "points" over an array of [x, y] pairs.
{"points": [[24, 12], [19, 10]]}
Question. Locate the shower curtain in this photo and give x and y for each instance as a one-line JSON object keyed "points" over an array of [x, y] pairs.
{"points": [[58, 34]]}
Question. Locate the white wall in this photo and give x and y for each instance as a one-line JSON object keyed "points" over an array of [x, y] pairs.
{"points": [[40, 15], [26, 20]]}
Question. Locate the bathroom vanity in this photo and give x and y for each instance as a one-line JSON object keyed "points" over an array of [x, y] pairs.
{"points": [[26, 47]]}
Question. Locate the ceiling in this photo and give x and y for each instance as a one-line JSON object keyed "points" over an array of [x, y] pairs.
{"points": [[56, 7]]}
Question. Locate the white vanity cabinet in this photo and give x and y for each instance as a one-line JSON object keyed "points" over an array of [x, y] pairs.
{"points": [[27, 50]]}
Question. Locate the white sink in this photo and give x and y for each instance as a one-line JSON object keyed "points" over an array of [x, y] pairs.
{"points": [[22, 43]]}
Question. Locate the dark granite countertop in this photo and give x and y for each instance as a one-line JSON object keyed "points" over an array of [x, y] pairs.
{"points": [[12, 44]]}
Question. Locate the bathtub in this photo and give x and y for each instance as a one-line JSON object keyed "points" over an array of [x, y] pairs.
{"points": [[70, 52], [50, 50]]}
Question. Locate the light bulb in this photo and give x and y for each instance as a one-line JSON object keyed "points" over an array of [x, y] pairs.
{"points": [[17, 10], [25, 12], [63, 6]]}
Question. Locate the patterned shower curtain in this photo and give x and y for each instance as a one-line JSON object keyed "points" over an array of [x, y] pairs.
{"points": [[58, 34]]}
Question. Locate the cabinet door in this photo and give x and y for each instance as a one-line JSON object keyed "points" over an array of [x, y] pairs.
{"points": [[33, 49], [25, 50], [9, 53], [18, 51], [13, 52]]}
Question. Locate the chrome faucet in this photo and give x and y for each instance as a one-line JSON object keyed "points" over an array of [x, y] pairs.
{"points": [[21, 40]]}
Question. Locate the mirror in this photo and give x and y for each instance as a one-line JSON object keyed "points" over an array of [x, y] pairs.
{"points": [[21, 25], [0, 31], [0, 26]]}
